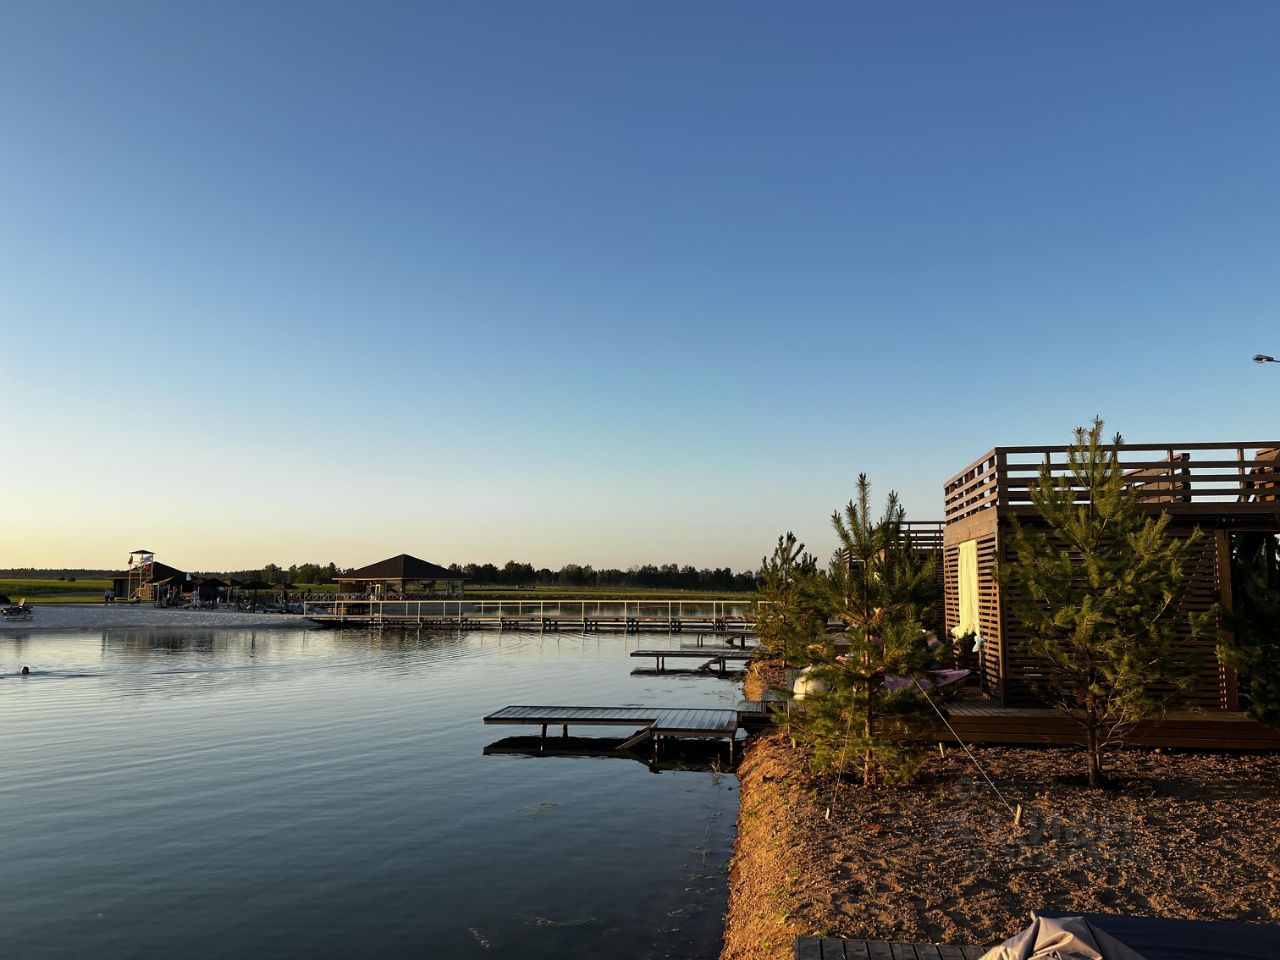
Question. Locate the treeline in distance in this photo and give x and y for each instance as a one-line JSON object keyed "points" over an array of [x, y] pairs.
{"points": [[513, 573]]}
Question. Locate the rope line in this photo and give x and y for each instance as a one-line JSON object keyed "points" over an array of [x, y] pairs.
{"points": [[966, 750]]}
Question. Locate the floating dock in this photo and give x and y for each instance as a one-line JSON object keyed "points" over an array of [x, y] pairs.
{"points": [[653, 722], [714, 658]]}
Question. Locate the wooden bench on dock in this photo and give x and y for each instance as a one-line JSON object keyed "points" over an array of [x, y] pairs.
{"points": [[829, 948]]}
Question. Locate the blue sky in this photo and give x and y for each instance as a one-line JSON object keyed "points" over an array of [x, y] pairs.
{"points": [[603, 282]]}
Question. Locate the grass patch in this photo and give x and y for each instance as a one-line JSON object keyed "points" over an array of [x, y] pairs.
{"points": [[55, 591]]}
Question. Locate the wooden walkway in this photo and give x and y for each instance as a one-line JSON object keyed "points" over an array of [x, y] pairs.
{"points": [[985, 722], [828, 948], [714, 658], [723, 616], [653, 722]]}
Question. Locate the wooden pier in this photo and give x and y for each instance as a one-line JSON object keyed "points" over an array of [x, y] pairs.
{"points": [[714, 658], [725, 616], [653, 722]]}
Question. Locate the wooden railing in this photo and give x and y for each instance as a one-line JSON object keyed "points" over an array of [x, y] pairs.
{"points": [[579, 608], [1178, 476], [924, 535]]}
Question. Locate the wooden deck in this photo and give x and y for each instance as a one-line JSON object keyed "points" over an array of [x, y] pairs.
{"points": [[984, 722], [829, 948], [713, 658]]}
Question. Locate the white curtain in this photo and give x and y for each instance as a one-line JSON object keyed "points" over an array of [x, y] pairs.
{"points": [[967, 583]]}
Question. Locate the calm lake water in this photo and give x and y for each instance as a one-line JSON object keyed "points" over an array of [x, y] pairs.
{"points": [[240, 793]]}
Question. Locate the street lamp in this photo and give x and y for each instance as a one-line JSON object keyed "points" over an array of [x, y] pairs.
{"points": [[1263, 358]]}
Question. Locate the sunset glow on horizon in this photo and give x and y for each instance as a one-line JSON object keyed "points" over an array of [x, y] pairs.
{"points": [[609, 285]]}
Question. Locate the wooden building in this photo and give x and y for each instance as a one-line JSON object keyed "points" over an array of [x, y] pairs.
{"points": [[403, 576], [149, 579], [927, 537], [1223, 489]]}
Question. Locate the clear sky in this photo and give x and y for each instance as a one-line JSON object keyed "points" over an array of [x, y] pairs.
{"points": [[607, 283]]}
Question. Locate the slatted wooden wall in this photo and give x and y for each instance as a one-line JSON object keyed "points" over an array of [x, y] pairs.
{"points": [[1211, 690], [1219, 486]]}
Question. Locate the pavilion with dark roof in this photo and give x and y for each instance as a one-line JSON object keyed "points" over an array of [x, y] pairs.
{"points": [[403, 575]]}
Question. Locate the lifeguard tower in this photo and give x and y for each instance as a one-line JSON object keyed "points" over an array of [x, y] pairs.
{"points": [[141, 568]]}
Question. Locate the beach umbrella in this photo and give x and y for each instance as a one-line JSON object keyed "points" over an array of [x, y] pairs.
{"points": [[254, 586], [232, 584]]}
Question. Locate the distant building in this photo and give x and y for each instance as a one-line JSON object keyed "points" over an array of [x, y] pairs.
{"points": [[404, 576], [149, 579]]}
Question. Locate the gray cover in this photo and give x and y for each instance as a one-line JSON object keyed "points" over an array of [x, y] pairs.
{"points": [[1159, 938], [1061, 938]]}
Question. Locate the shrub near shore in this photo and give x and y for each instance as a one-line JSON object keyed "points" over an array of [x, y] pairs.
{"points": [[865, 683]]}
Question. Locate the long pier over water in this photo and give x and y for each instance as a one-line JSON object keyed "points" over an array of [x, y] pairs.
{"points": [[725, 615]]}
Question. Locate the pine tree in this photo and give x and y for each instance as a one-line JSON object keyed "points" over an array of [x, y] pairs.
{"points": [[879, 588], [1255, 623], [1096, 589], [789, 611]]}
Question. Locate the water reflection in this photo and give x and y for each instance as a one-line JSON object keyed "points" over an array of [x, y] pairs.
{"points": [[657, 757], [327, 793]]}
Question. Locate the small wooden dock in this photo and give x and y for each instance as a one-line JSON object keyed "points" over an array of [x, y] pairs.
{"points": [[653, 722], [829, 948], [714, 658]]}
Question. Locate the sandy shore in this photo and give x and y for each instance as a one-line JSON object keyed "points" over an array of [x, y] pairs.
{"points": [[1190, 835], [88, 616]]}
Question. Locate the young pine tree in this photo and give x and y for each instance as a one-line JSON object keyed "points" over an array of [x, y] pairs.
{"points": [[879, 589], [1255, 623], [789, 611], [1096, 588]]}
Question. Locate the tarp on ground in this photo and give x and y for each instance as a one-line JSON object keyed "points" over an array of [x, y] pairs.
{"points": [[1158, 938], [1062, 938]]}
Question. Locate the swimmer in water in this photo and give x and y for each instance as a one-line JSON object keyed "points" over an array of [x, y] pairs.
{"points": [[25, 670]]}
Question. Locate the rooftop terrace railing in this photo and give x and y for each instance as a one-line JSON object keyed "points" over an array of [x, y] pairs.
{"points": [[1183, 477], [924, 535]]}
